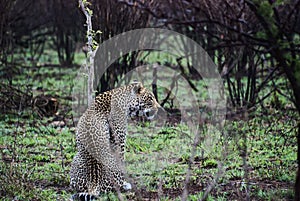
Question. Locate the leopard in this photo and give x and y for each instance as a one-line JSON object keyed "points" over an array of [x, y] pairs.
{"points": [[98, 166]]}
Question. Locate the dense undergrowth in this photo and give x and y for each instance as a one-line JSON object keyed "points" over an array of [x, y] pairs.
{"points": [[253, 156]]}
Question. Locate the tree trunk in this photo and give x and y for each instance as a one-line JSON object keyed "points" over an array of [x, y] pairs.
{"points": [[296, 89], [90, 55], [291, 72]]}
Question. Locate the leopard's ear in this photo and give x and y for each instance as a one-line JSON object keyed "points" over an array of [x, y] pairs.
{"points": [[138, 88]]}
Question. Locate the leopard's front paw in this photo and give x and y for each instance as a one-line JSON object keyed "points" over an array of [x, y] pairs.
{"points": [[126, 186]]}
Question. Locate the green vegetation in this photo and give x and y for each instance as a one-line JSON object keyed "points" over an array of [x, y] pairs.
{"points": [[255, 44], [259, 151]]}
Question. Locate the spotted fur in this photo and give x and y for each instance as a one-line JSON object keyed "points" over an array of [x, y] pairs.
{"points": [[100, 136]]}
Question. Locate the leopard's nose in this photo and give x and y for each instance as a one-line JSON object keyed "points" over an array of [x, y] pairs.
{"points": [[150, 113]]}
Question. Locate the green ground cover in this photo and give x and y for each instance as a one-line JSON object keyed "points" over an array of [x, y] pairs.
{"points": [[254, 156]]}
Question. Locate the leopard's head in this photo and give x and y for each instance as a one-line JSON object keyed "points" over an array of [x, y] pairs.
{"points": [[143, 102]]}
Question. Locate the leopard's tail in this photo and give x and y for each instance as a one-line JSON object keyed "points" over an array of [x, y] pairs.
{"points": [[83, 197]]}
